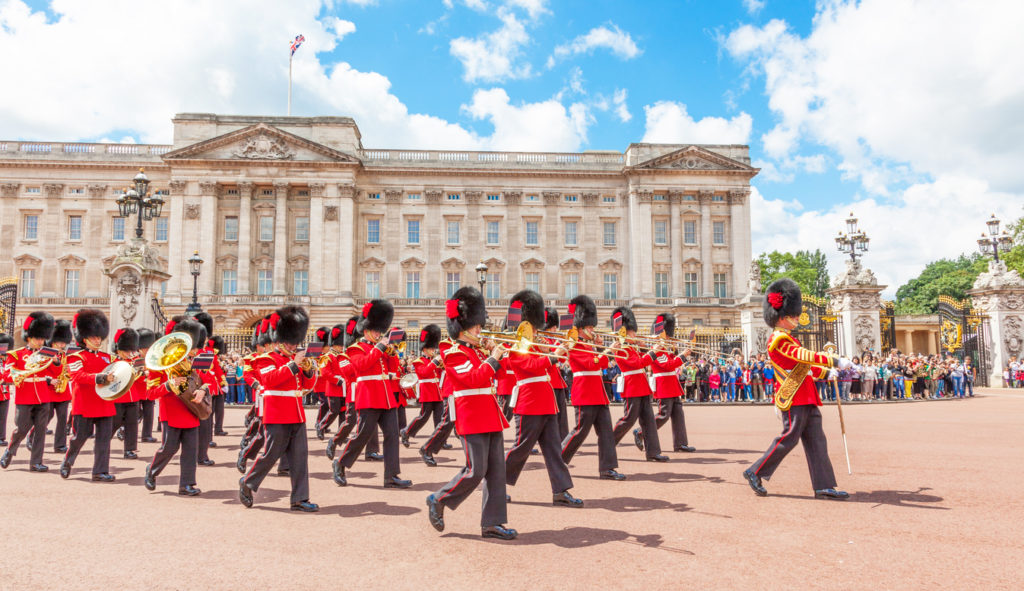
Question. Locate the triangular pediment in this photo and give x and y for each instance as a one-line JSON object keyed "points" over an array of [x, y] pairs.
{"points": [[260, 143], [694, 158]]}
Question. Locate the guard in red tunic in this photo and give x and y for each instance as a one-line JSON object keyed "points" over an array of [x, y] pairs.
{"points": [[347, 375], [376, 403], [181, 427], [555, 373], [32, 388], [439, 438], [505, 383], [285, 381], [334, 382], [588, 395], [796, 397], [536, 408], [428, 368], [147, 405], [6, 344], [477, 416], [252, 441], [125, 346], [60, 397], [214, 380], [636, 391], [667, 390], [218, 347], [93, 416]]}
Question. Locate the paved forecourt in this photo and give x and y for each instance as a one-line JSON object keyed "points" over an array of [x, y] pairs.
{"points": [[935, 503]]}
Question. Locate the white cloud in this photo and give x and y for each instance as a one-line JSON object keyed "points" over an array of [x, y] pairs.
{"points": [[668, 122], [362, 3], [534, 8], [545, 126], [494, 57], [613, 39], [754, 6], [621, 110], [341, 27], [478, 5]]}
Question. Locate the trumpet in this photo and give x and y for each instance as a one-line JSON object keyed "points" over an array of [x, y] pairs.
{"points": [[34, 364]]}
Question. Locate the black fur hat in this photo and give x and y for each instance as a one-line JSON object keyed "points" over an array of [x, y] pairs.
{"points": [[263, 328], [38, 325], [584, 311], [336, 338], [532, 306], [126, 339], [352, 332], [550, 318], [206, 320], [61, 333], [669, 320], [323, 335], [430, 337], [169, 328], [90, 322], [628, 320], [6, 339], [377, 315], [255, 336], [217, 344], [465, 309], [146, 338], [192, 328], [781, 299], [289, 324]]}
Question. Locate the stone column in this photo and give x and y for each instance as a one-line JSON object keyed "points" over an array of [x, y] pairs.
{"points": [[908, 342], [856, 298], [739, 239], [317, 239], [281, 238], [755, 331], [175, 247], [676, 244], [393, 275], [999, 293], [707, 284], [513, 242], [347, 242], [244, 236], [135, 277], [207, 239]]}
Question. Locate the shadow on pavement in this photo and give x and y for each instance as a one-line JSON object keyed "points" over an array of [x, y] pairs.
{"points": [[895, 498], [578, 537], [370, 509]]}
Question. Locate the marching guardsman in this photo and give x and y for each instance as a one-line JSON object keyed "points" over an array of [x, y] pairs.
{"points": [[322, 335], [505, 384], [554, 372], [125, 346], [376, 404], [60, 399], [428, 368], [333, 376], [147, 405], [252, 441], [795, 371], [181, 427], [345, 373], [667, 390], [92, 414], [213, 379], [6, 344], [477, 416], [258, 347], [535, 407], [636, 391], [218, 347], [285, 380], [439, 438], [588, 394], [32, 374]]}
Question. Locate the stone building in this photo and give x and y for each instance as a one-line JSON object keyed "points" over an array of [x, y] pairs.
{"points": [[296, 210]]}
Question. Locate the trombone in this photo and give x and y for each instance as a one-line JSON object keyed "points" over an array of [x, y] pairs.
{"points": [[571, 338], [521, 341]]}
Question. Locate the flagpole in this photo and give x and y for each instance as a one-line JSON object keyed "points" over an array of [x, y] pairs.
{"points": [[290, 84]]}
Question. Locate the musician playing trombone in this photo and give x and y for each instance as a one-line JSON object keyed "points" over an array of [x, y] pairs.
{"points": [[636, 391], [33, 375], [667, 390]]}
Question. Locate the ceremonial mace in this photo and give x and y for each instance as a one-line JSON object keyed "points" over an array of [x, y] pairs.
{"points": [[831, 348]]}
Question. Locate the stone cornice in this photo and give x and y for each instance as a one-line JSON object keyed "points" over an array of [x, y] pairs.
{"points": [[9, 189], [53, 189]]}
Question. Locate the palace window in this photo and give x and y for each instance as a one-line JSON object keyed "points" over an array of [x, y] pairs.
{"points": [[572, 285], [452, 282], [266, 228], [493, 233], [494, 197], [373, 231], [608, 199], [454, 197], [229, 282], [267, 192], [689, 232], [373, 195], [71, 277], [302, 229], [75, 228], [721, 290], [412, 231], [532, 198], [231, 228], [264, 282], [660, 232], [117, 229], [611, 286], [690, 285], [31, 227], [533, 281], [718, 198], [453, 232], [570, 234], [493, 285], [661, 285], [609, 233], [412, 284], [373, 284], [571, 198], [300, 282], [27, 287], [531, 234], [413, 197], [161, 229], [718, 229], [31, 190]]}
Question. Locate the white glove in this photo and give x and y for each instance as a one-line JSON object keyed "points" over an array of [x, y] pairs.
{"points": [[844, 363]]}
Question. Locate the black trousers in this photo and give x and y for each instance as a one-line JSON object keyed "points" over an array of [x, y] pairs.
{"points": [[639, 408], [147, 417], [283, 441], [349, 425], [369, 419], [4, 406], [672, 408], [563, 413], [599, 417], [400, 411], [506, 406], [81, 430], [332, 411], [543, 430], [31, 417], [188, 441], [205, 437], [427, 410], [60, 430], [800, 423], [218, 413], [126, 414], [322, 408], [441, 432], [485, 460]]}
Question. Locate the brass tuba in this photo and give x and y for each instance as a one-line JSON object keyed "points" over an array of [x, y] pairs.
{"points": [[169, 354]]}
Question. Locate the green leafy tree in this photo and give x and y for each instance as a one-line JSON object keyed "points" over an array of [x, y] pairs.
{"points": [[808, 269]]}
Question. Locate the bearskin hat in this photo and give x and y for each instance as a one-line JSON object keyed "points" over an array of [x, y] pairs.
{"points": [[217, 344], [583, 310], [61, 333], [669, 320], [781, 299], [532, 306], [465, 309], [550, 318], [125, 339], [6, 339], [172, 323], [146, 338], [206, 320], [38, 325], [323, 335], [336, 338], [255, 336], [90, 322], [192, 328], [263, 331], [352, 332], [430, 337], [289, 324], [628, 320], [377, 315]]}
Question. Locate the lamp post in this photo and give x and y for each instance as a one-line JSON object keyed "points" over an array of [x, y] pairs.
{"points": [[138, 200], [854, 242], [997, 241], [195, 265], [481, 276]]}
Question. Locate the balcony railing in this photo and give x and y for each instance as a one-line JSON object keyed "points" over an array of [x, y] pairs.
{"points": [[39, 301], [395, 157], [55, 148]]}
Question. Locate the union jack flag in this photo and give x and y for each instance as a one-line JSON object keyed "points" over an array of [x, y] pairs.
{"points": [[298, 41]]}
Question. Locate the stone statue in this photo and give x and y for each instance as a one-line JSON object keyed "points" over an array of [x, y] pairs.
{"points": [[855, 275], [754, 283], [998, 276]]}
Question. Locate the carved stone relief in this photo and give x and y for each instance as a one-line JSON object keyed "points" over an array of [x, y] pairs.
{"points": [[128, 289], [1013, 334], [192, 211], [264, 147], [864, 332], [331, 213], [9, 189]]}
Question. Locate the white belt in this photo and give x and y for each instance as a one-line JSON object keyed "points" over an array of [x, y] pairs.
{"points": [[284, 393], [32, 380], [663, 374], [368, 378], [582, 374], [534, 380], [430, 381], [632, 373], [462, 393]]}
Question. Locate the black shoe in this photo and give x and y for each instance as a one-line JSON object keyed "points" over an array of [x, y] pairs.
{"points": [[447, 446], [244, 493], [213, 444], [374, 457], [755, 483], [428, 459], [566, 500], [65, 469], [150, 481], [499, 532], [188, 491], [319, 433], [221, 433], [686, 448], [60, 450], [435, 512], [306, 507], [658, 458], [831, 493], [103, 477], [49, 431], [5, 460], [130, 455], [638, 439], [240, 464], [396, 482], [508, 498], [149, 439], [405, 438], [331, 446], [612, 475], [339, 474], [37, 468], [283, 472], [206, 462], [120, 434]]}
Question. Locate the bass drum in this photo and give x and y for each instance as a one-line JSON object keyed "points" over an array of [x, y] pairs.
{"points": [[123, 378]]}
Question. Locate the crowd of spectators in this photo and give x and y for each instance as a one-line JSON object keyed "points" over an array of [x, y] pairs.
{"points": [[1013, 373]]}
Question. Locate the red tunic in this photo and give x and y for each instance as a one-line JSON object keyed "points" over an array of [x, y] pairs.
{"points": [[344, 377], [428, 388], [472, 404], [372, 384], [666, 381], [84, 365], [219, 379], [256, 366], [284, 384], [446, 384], [172, 410], [785, 353], [33, 389], [634, 378], [535, 395], [553, 372], [587, 383], [5, 378], [325, 379], [506, 378]]}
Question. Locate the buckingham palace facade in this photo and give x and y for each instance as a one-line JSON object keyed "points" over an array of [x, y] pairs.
{"points": [[296, 210]]}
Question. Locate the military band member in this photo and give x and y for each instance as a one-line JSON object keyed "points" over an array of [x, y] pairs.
{"points": [[218, 347], [212, 378], [60, 397], [796, 396], [334, 382], [32, 375], [667, 390], [147, 405], [588, 394], [477, 416], [347, 374], [439, 438], [93, 416], [636, 391], [7, 344], [505, 383], [284, 418], [536, 408], [252, 441], [125, 346], [428, 368], [555, 373]]}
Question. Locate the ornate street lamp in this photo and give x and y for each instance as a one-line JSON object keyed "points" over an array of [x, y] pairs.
{"points": [[137, 200], [481, 276], [854, 242], [195, 266], [997, 241]]}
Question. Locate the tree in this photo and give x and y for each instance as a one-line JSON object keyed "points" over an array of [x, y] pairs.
{"points": [[808, 269]]}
